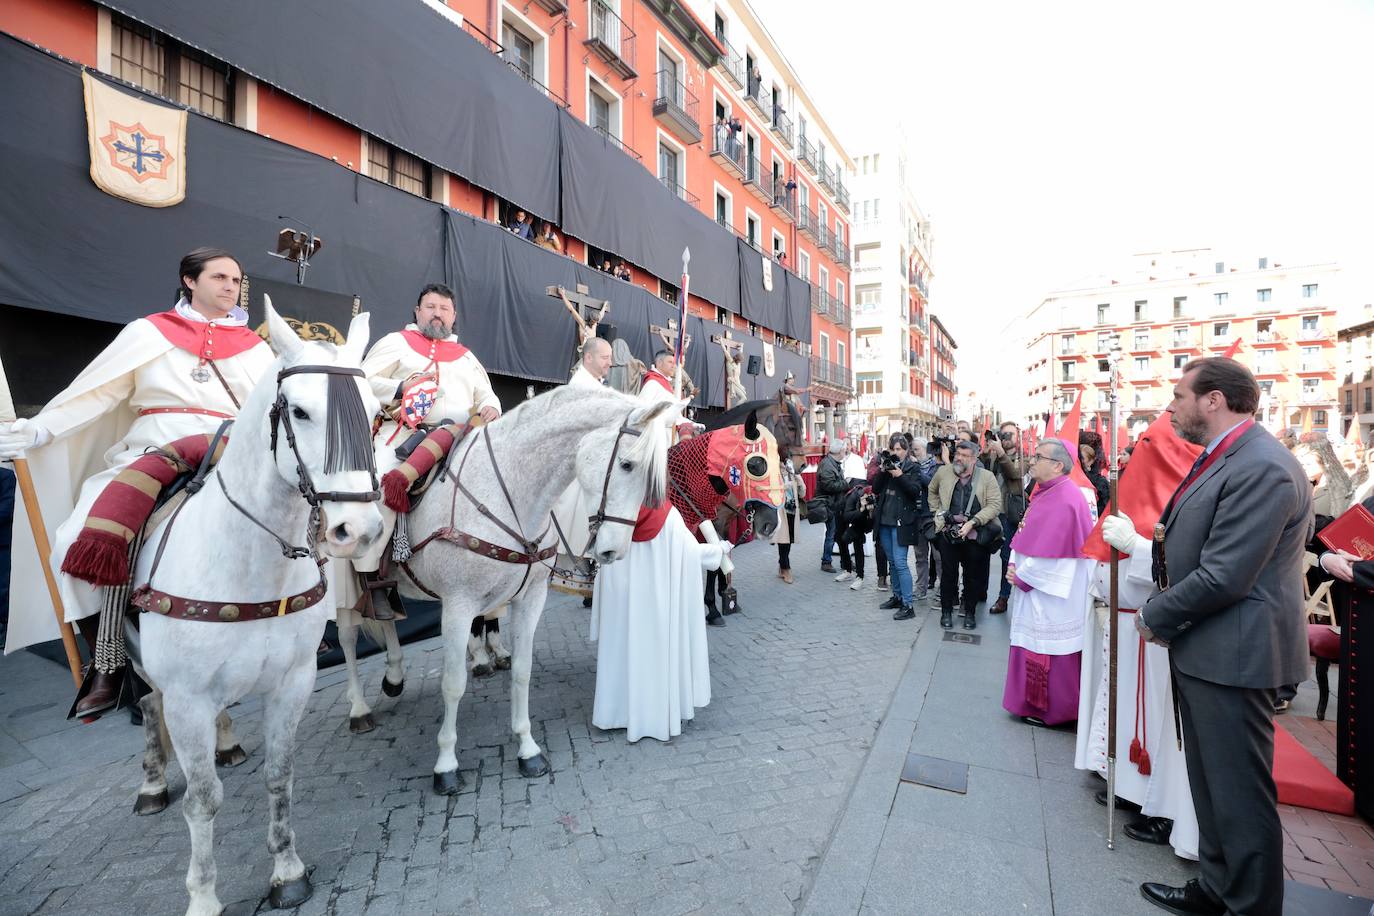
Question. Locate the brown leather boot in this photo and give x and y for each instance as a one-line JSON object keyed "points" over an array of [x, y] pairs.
{"points": [[380, 600], [999, 607], [101, 689]]}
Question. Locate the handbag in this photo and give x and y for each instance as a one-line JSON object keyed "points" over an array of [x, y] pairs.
{"points": [[990, 536], [818, 510]]}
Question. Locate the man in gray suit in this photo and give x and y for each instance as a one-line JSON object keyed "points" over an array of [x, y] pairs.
{"points": [[1231, 614]]}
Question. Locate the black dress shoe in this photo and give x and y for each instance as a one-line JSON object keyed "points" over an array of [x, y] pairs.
{"points": [[970, 621], [1153, 830], [1036, 721], [1188, 900], [1121, 803], [715, 618], [905, 612], [947, 620], [1282, 706], [889, 604]]}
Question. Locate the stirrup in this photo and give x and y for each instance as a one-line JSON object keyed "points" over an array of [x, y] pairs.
{"points": [[380, 599]]}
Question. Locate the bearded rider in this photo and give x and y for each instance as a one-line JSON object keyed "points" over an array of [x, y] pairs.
{"points": [[424, 378], [176, 373]]}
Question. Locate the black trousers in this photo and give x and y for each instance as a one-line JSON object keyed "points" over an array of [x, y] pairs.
{"points": [[879, 555], [852, 554], [1229, 744], [970, 559], [785, 550]]}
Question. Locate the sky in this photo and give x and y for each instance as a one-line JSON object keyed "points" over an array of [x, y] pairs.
{"points": [[1049, 141]]}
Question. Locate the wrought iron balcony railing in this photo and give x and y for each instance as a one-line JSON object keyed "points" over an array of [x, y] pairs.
{"points": [[676, 107], [615, 141], [610, 38], [726, 147], [680, 191], [731, 63], [806, 154]]}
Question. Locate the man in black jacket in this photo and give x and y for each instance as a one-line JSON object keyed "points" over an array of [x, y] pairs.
{"points": [[899, 513], [1002, 455], [830, 483]]}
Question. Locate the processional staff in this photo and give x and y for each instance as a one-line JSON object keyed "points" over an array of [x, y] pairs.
{"points": [[1114, 602]]}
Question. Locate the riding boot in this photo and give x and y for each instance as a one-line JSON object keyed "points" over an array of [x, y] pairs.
{"points": [[103, 688], [947, 620], [380, 599]]}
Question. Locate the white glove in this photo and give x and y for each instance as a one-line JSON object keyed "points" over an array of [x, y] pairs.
{"points": [[712, 555], [21, 436], [1119, 531]]}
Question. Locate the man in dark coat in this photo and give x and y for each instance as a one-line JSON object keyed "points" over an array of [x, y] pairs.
{"points": [[831, 484], [1231, 612]]}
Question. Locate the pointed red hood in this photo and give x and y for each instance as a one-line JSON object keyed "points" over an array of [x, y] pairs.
{"points": [[1068, 434]]}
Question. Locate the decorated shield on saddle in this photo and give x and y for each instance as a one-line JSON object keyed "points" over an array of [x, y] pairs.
{"points": [[417, 400]]}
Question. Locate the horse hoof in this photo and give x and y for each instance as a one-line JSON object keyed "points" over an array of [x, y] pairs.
{"points": [[361, 725], [151, 804], [392, 690], [534, 767], [483, 670], [230, 758], [503, 663], [447, 783], [290, 894]]}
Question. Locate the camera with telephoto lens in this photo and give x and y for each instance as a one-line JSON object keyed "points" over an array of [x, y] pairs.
{"points": [[888, 461]]}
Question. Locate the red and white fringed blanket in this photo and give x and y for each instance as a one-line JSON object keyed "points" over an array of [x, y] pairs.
{"points": [[100, 554], [397, 482]]}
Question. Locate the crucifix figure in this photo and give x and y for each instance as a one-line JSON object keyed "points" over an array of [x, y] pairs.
{"points": [[735, 392], [669, 337], [586, 310]]}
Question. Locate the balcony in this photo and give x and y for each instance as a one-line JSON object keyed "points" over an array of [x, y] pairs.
{"points": [[823, 236], [1316, 399], [806, 222], [1315, 335], [806, 154], [731, 63], [824, 372], [841, 249], [822, 303], [528, 77], [785, 198], [616, 142], [609, 38], [728, 151], [1272, 338], [869, 356], [944, 381], [1185, 343], [675, 107], [754, 95], [1270, 370], [826, 176], [1146, 346], [782, 125], [1316, 369], [681, 192], [841, 194], [757, 180]]}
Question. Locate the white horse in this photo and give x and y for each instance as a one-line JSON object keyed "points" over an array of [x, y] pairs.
{"points": [[297, 471], [509, 474]]}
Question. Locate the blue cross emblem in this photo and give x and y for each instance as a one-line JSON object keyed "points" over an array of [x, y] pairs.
{"points": [[138, 152], [734, 475]]}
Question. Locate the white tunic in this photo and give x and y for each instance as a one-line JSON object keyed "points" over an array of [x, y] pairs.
{"points": [[1165, 792], [1048, 619], [652, 667], [575, 507], [97, 431]]}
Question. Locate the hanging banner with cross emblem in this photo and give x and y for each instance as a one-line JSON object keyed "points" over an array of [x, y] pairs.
{"points": [[137, 147]]}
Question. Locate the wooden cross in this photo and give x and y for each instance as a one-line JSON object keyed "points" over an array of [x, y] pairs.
{"points": [[669, 337], [734, 357], [576, 302]]}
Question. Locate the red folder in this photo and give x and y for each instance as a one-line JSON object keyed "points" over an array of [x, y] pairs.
{"points": [[1353, 532]]}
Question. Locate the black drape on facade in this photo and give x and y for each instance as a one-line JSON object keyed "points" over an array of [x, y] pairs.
{"points": [[400, 71], [71, 249]]}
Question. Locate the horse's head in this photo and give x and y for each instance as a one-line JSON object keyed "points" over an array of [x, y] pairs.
{"points": [[787, 426], [745, 459], [623, 467], [321, 433]]}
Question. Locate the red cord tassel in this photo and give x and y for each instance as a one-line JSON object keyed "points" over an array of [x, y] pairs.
{"points": [[1135, 750], [1144, 764], [98, 557], [395, 491]]}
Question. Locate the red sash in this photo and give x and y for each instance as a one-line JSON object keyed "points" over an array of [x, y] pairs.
{"points": [[1200, 469], [653, 375], [650, 521], [444, 351], [203, 338]]}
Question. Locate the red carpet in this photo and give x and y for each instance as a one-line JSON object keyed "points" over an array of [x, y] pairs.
{"points": [[1304, 782]]}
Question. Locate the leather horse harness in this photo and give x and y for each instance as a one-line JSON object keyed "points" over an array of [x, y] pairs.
{"points": [[530, 553], [168, 605]]}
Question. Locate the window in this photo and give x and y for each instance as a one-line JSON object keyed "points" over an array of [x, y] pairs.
{"points": [[1102, 400], [1138, 398], [519, 49], [1142, 365], [1368, 400], [160, 64], [1319, 417], [1220, 299], [668, 292], [804, 265], [1221, 329], [1311, 359], [667, 166], [779, 244], [751, 229], [1264, 329], [839, 291], [1141, 309], [1104, 366], [863, 212], [720, 27], [722, 209], [875, 163], [1065, 343], [1142, 340], [1266, 387], [1102, 313], [397, 167], [1264, 360], [1309, 322], [1180, 337], [1309, 290], [1104, 342], [839, 353], [824, 346], [599, 113], [870, 383], [1180, 306], [825, 280], [1221, 267], [723, 317], [1264, 295], [603, 108], [1066, 372], [1309, 387], [1180, 360]]}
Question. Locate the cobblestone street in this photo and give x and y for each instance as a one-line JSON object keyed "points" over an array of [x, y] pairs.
{"points": [[731, 817]]}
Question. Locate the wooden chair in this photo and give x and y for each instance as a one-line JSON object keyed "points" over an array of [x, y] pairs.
{"points": [[1316, 603]]}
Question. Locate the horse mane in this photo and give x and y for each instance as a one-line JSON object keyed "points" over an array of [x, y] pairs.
{"points": [[348, 429]]}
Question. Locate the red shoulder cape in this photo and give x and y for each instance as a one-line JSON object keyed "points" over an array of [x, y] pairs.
{"points": [[444, 351], [204, 339]]}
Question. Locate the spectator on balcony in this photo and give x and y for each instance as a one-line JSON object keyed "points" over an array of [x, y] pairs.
{"points": [[606, 267], [622, 271], [732, 141], [780, 256], [755, 80], [722, 132], [522, 225], [778, 112], [548, 238]]}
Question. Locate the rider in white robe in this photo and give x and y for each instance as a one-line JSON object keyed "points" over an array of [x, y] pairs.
{"points": [[652, 666], [139, 393], [1165, 791], [575, 507]]}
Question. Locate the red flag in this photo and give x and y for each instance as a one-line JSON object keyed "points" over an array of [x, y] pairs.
{"points": [[1049, 425], [1158, 465], [1068, 433], [1233, 349], [1352, 435]]}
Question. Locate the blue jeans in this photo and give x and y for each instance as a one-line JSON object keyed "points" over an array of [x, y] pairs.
{"points": [[828, 549], [1007, 532], [898, 572]]}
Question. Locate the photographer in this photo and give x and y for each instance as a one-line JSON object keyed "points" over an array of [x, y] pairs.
{"points": [[831, 484], [1002, 455], [900, 482], [966, 501]]}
